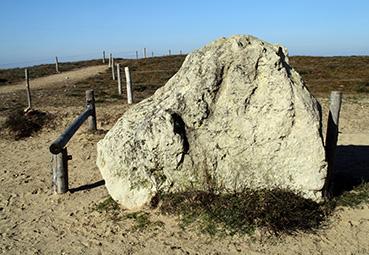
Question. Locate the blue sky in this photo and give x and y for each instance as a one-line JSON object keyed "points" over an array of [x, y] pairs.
{"points": [[35, 31]]}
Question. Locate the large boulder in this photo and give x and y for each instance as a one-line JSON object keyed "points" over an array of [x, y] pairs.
{"points": [[235, 116]]}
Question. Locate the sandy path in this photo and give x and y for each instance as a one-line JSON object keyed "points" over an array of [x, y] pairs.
{"points": [[33, 220], [57, 79]]}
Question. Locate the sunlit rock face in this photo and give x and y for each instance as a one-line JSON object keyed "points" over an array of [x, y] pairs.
{"points": [[235, 116]]}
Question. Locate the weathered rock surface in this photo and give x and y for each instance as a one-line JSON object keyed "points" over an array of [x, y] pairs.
{"points": [[235, 115]]}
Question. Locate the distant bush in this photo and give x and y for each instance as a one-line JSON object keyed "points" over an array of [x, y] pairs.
{"points": [[3, 81], [21, 124], [363, 88]]}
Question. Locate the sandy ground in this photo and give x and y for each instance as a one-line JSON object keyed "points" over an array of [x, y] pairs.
{"points": [[33, 220], [57, 79]]}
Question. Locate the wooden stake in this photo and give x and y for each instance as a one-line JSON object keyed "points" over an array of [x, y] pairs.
{"points": [[112, 69], [28, 90], [60, 171], [103, 60], [144, 52], [136, 54], [90, 103], [56, 65], [331, 139], [110, 58], [129, 85], [119, 80], [89, 114]]}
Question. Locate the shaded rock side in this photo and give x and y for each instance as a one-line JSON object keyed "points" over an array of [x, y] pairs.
{"points": [[235, 116]]}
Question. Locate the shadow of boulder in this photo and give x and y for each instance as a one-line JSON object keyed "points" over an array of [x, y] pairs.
{"points": [[351, 167]]}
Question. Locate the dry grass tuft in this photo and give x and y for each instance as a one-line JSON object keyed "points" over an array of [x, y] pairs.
{"points": [[22, 124], [278, 211]]}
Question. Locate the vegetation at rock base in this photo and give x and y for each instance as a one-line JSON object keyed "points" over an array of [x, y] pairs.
{"points": [[141, 220], [353, 198], [107, 205], [276, 211]]}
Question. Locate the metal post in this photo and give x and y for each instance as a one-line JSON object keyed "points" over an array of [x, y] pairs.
{"points": [[152, 54], [331, 139], [90, 102], [110, 57], [28, 90], [144, 52], [103, 60], [136, 54], [60, 171], [180, 52], [129, 85], [170, 52], [119, 80], [56, 64]]}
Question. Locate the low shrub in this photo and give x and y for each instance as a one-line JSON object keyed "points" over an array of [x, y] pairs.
{"points": [[278, 211], [22, 124]]}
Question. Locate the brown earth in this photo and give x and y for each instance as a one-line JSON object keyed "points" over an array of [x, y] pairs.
{"points": [[33, 220]]}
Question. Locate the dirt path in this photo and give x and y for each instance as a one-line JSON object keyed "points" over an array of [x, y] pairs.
{"points": [[33, 220], [57, 79]]}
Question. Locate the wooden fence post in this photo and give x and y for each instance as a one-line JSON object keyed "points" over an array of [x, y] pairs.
{"points": [[136, 54], [90, 102], [110, 58], [119, 80], [60, 157], [56, 65], [129, 85], [60, 171], [112, 69], [103, 60], [331, 139], [144, 52], [28, 90]]}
